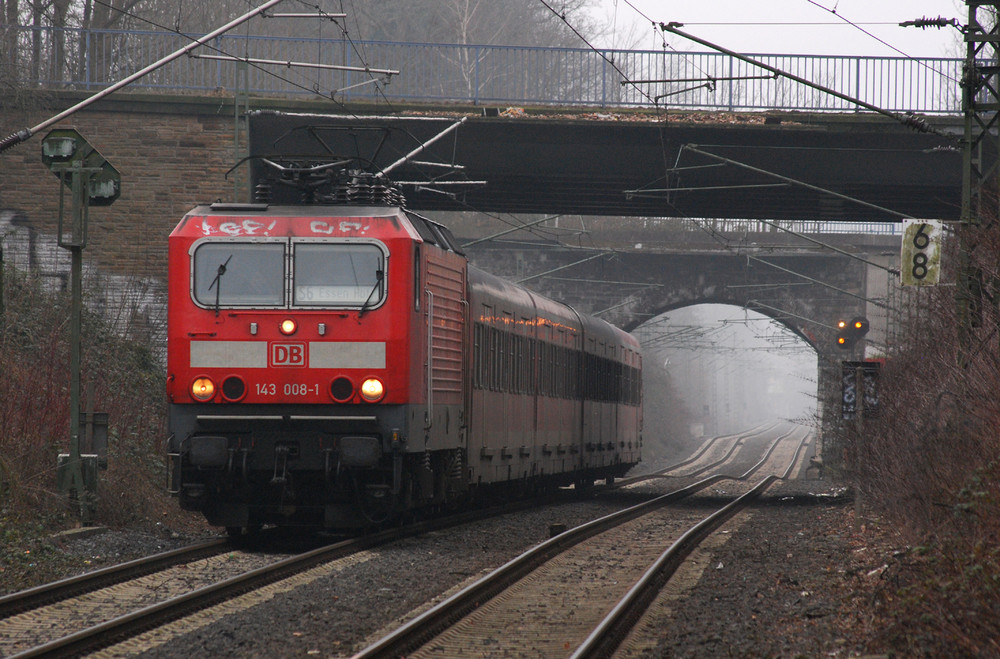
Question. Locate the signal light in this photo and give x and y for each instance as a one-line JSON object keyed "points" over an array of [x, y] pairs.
{"points": [[850, 333], [843, 335]]}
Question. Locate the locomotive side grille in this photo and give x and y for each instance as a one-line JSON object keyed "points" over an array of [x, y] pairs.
{"points": [[446, 283]]}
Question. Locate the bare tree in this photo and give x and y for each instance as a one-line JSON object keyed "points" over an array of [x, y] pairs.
{"points": [[510, 23], [68, 40]]}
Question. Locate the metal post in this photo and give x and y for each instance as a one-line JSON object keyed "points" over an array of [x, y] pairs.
{"points": [[731, 74], [76, 483], [604, 82], [980, 76], [475, 93], [91, 180], [241, 101], [86, 56], [2, 310]]}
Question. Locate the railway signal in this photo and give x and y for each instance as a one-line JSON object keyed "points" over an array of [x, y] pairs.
{"points": [[849, 333], [93, 181]]}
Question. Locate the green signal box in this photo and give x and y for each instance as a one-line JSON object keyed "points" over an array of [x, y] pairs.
{"points": [[65, 151]]}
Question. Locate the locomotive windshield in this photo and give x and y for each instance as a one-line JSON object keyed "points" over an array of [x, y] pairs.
{"points": [[338, 275], [255, 274], [239, 274]]}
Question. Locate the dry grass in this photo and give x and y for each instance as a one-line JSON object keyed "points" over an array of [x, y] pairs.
{"points": [[930, 463], [34, 414]]}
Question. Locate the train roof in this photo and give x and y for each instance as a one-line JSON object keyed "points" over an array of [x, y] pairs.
{"points": [[264, 220], [557, 313]]}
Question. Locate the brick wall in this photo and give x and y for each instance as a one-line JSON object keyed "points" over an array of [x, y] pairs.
{"points": [[172, 153]]}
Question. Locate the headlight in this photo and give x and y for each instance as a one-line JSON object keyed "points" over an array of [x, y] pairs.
{"points": [[288, 327], [372, 390], [341, 390], [202, 389], [233, 388]]}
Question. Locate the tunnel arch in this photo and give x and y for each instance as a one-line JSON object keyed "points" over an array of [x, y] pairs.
{"points": [[795, 328], [729, 368]]}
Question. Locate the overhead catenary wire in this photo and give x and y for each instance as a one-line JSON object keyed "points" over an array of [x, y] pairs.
{"points": [[26, 133], [611, 62], [291, 63], [265, 71], [777, 226], [922, 23], [910, 120], [130, 14], [882, 41], [354, 47], [726, 244], [204, 41], [320, 13], [729, 161]]}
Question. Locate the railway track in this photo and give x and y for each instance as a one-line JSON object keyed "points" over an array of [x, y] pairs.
{"points": [[557, 596], [56, 591], [109, 606], [103, 614], [106, 607], [714, 453]]}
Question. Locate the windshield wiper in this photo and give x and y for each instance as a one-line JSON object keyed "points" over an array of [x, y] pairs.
{"points": [[379, 276], [217, 282]]}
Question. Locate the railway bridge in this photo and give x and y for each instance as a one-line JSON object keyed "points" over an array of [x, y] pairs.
{"points": [[797, 284], [641, 196], [629, 183]]}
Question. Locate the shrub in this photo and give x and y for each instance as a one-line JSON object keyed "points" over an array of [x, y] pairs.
{"points": [[930, 463], [125, 380]]}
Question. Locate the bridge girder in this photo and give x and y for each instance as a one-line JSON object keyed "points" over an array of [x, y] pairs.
{"points": [[629, 288], [641, 168]]}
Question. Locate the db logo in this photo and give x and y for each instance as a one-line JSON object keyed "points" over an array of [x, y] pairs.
{"points": [[288, 354]]}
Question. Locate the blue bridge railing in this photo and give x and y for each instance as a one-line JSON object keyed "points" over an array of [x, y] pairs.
{"points": [[480, 74]]}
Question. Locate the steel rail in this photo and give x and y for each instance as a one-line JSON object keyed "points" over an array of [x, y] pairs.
{"points": [[767, 454], [753, 432], [427, 625], [32, 598], [612, 630], [432, 622], [623, 616], [136, 622]]}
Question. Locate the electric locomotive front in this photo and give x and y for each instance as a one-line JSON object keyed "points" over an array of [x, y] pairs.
{"points": [[289, 362]]}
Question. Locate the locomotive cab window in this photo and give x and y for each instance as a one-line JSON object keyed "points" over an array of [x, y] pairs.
{"points": [[233, 274], [283, 274], [337, 274]]}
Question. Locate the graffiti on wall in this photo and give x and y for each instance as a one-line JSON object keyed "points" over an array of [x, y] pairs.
{"points": [[135, 307]]}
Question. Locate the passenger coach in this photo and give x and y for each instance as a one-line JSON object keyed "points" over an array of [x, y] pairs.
{"points": [[337, 366]]}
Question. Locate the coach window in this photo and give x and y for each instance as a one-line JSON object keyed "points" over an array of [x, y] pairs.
{"points": [[477, 352], [494, 353], [339, 275], [231, 274]]}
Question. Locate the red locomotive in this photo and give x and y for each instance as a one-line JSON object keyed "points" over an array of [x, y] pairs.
{"points": [[338, 365]]}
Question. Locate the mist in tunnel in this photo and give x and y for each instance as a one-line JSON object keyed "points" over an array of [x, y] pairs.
{"points": [[713, 369]]}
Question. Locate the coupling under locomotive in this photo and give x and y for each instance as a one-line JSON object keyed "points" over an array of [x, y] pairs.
{"points": [[337, 366]]}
